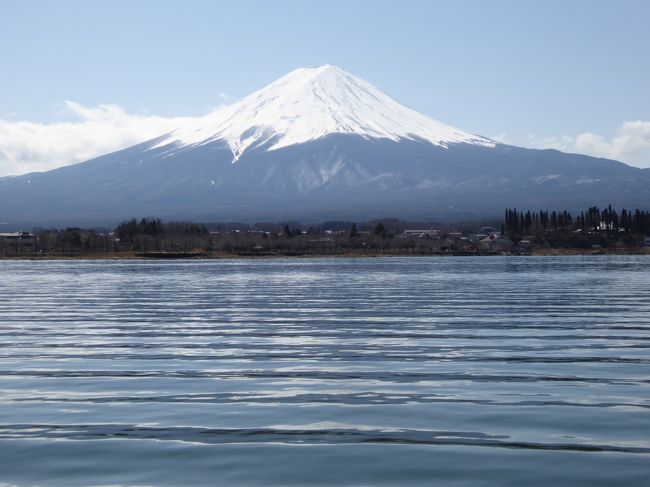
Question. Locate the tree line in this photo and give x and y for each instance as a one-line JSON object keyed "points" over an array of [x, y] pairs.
{"points": [[149, 235], [594, 219], [605, 227], [593, 226]]}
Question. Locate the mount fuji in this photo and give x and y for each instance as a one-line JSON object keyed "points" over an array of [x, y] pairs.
{"points": [[318, 143]]}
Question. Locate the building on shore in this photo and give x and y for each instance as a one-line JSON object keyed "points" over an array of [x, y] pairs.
{"points": [[16, 242], [495, 243], [477, 237], [430, 233]]}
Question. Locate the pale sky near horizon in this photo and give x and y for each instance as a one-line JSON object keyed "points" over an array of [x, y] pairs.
{"points": [[78, 78]]}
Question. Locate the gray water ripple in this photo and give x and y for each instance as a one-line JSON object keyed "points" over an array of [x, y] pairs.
{"points": [[360, 398], [540, 358], [290, 436], [327, 355], [317, 375]]}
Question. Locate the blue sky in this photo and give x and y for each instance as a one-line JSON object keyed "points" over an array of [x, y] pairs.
{"points": [[571, 74]]}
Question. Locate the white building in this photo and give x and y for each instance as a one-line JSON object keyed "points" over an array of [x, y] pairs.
{"points": [[430, 233], [17, 240], [22, 237], [476, 237], [496, 243]]}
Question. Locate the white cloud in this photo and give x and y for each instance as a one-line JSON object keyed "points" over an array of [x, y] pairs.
{"points": [[630, 144], [31, 146]]}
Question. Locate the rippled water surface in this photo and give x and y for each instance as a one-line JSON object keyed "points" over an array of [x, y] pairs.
{"points": [[448, 371]]}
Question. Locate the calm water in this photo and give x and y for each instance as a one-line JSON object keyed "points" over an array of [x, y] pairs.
{"points": [[448, 371]]}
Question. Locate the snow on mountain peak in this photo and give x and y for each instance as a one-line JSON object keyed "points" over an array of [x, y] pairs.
{"points": [[310, 103]]}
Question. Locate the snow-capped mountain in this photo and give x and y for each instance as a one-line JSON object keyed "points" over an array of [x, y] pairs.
{"points": [[319, 143], [308, 104]]}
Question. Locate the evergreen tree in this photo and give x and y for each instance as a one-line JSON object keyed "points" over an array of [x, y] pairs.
{"points": [[380, 230]]}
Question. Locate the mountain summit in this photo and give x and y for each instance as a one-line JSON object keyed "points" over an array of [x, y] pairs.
{"points": [[308, 104], [317, 144]]}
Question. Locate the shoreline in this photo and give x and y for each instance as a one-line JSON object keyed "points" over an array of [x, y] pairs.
{"points": [[542, 252]]}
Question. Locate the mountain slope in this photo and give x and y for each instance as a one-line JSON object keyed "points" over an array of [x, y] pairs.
{"points": [[317, 144]]}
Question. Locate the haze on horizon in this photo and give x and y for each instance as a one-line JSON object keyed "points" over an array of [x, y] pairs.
{"points": [[81, 80]]}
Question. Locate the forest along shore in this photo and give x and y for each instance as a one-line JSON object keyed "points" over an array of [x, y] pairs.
{"points": [[593, 232], [223, 255]]}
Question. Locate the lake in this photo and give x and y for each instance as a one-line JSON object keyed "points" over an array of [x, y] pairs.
{"points": [[370, 371]]}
